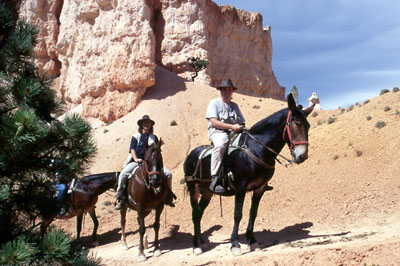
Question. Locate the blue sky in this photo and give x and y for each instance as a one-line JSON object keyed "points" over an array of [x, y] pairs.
{"points": [[346, 51]]}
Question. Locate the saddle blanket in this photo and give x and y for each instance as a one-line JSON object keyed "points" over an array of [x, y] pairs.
{"points": [[233, 145]]}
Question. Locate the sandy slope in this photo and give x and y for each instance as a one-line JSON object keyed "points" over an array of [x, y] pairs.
{"points": [[340, 207]]}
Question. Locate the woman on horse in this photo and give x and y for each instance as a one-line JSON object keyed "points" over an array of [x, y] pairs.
{"points": [[223, 116], [137, 151]]}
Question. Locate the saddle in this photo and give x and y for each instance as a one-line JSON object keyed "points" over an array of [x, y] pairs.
{"points": [[224, 172]]}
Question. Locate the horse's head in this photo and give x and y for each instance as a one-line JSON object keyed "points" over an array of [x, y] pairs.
{"points": [[154, 165], [296, 130]]}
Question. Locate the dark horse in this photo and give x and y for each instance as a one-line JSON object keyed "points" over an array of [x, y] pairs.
{"points": [[147, 191], [252, 166], [84, 197]]}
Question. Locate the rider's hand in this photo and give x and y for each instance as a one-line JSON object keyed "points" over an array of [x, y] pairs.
{"points": [[236, 127], [138, 160]]}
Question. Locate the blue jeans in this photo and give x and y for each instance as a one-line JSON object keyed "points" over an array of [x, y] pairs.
{"points": [[62, 190]]}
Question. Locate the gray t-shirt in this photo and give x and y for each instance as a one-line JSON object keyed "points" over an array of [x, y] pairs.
{"points": [[224, 112]]}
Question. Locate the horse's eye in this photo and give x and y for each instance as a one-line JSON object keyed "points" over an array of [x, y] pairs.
{"points": [[297, 123]]}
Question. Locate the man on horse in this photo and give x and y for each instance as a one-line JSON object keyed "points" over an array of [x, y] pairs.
{"points": [[137, 151], [223, 116]]}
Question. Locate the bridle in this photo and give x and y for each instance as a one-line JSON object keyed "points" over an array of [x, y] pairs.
{"points": [[146, 177], [289, 133], [292, 144]]}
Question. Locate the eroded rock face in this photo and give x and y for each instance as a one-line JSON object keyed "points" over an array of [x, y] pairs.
{"points": [[45, 15], [233, 41], [105, 51], [107, 48]]}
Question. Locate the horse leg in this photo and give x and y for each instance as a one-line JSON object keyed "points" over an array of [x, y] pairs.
{"points": [[92, 213], [123, 222], [157, 251], [79, 226], [255, 201], [239, 199], [45, 224], [197, 213], [142, 230]]}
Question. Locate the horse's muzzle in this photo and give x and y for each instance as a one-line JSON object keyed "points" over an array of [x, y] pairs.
{"points": [[155, 182], [300, 154]]}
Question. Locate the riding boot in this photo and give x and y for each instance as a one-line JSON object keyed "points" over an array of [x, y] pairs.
{"points": [[61, 212], [120, 203], [215, 187], [170, 198]]}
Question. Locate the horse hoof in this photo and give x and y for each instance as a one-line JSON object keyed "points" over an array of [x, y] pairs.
{"points": [[157, 253], [197, 251], [236, 251], [124, 246], [141, 258], [254, 247], [95, 243]]}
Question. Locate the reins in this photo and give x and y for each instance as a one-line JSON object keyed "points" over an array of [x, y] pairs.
{"points": [[138, 179], [292, 144], [145, 174], [251, 155]]}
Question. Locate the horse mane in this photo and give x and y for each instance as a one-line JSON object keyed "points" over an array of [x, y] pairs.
{"points": [[270, 121], [90, 178]]}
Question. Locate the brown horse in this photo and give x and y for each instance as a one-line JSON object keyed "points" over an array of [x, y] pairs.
{"points": [[147, 191], [84, 197]]}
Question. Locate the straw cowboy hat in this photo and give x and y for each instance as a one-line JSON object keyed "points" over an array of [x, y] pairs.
{"points": [[144, 118], [226, 83]]}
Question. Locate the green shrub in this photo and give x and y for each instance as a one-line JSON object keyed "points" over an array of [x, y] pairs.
{"points": [[17, 252], [369, 117], [395, 89], [366, 101], [383, 91], [350, 108], [380, 124], [54, 249], [314, 114], [331, 120], [107, 203], [55, 245], [387, 108], [197, 64], [256, 107]]}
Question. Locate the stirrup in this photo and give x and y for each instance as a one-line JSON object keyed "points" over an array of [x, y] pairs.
{"points": [[216, 188], [119, 204]]}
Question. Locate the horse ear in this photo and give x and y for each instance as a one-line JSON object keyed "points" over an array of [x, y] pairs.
{"points": [[308, 110], [291, 103]]}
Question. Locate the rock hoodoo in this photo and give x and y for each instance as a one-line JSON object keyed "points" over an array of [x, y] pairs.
{"points": [[105, 51]]}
